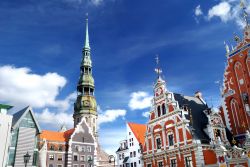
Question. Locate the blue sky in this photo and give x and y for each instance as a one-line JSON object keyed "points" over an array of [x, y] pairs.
{"points": [[40, 53]]}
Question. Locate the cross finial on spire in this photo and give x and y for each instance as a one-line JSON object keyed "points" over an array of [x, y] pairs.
{"points": [[158, 70]]}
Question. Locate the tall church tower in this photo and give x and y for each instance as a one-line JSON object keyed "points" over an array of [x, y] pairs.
{"points": [[85, 106]]}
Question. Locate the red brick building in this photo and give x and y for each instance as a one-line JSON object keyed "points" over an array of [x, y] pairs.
{"points": [[236, 87], [183, 131]]}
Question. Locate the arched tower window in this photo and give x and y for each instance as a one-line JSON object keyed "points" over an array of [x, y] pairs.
{"points": [[163, 109], [159, 111]]}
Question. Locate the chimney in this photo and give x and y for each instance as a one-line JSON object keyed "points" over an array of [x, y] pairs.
{"points": [[198, 95]]}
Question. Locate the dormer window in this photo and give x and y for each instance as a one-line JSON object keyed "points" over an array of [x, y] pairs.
{"points": [[52, 147]]}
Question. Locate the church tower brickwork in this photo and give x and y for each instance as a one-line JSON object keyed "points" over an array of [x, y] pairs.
{"points": [[85, 106]]}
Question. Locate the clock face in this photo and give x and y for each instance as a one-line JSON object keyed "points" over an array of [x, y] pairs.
{"points": [[159, 91], [86, 103]]}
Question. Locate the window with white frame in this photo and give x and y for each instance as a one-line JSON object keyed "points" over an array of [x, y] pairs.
{"points": [[82, 158], [89, 157], [59, 157], [170, 139], [88, 148], [188, 161], [158, 143], [51, 157], [160, 164], [173, 163], [83, 148], [75, 157]]}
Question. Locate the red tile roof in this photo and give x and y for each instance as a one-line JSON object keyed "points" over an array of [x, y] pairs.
{"points": [[56, 136], [139, 131]]}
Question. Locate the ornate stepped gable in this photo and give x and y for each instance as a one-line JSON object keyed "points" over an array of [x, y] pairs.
{"points": [[67, 148], [236, 87], [182, 130]]}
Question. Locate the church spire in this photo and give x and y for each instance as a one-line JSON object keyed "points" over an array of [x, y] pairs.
{"points": [[85, 106], [86, 45]]}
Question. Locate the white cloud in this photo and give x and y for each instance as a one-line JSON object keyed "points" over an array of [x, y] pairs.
{"points": [[56, 119], [229, 10], [198, 11], [19, 87], [139, 100], [222, 10], [146, 114], [110, 115]]}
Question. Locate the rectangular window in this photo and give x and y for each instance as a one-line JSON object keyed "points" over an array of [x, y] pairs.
{"points": [[134, 153], [134, 164], [88, 148], [158, 143], [82, 158], [131, 154], [89, 157], [83, 148], [75, 158], [173, 163], [188, 161], [120, 156], [160, 164], [131, 165], [171, 140], [59, 157], [51, 157], [52, 147]]}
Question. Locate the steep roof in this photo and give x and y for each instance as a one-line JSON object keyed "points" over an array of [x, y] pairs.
{"points": [[18, 116], [199, 118], [139, 131], [56, 136]]}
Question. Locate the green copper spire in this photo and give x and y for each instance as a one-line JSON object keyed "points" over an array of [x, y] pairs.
{"points": [[86, 45], [85, 104]]}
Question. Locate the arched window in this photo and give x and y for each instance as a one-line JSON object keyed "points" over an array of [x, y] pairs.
{"points": [[163, 109], [170, 138], [159, 111], [158, 142]]}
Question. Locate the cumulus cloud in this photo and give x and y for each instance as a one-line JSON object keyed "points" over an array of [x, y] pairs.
{"points": [[198, 11], [221, 10], [110, 115], [139, 100], [55, 119], [229, 10], [20, 86]]}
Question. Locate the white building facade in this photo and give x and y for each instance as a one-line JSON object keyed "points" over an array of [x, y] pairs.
{"points": [[5, 131], [129, 152]]}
